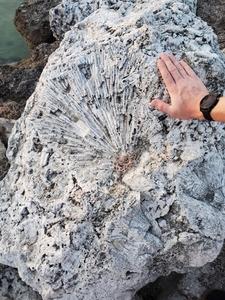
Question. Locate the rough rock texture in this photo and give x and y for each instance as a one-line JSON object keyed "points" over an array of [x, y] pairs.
{"points": [[164, 288], [209, 277], [5, 131], [11, 285], [13, 288], [6, 126], [3, 160], [191, 286], [32, 21], [213, 12], [69, 12], [18, 81], [103, 194]]}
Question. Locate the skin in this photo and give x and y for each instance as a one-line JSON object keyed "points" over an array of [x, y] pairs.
{"points": [[186, 91]]}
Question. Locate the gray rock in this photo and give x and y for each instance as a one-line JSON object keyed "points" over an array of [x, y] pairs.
{"points": [[18, 81], [213, 12], [13, 288], [197, 282], [74, 221], [3, 160], [192, 285], [6, 126], [32, 21], [69, 12], [5, 131]]}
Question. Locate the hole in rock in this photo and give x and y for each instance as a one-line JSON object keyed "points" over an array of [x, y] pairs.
{"points": [[163, 287], [85, 69], [214, 295]]}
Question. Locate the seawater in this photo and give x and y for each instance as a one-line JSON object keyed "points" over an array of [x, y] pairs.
{"points": [[12, 45]]}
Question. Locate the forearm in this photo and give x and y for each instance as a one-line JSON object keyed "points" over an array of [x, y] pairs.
{"points": [[218, 112]]}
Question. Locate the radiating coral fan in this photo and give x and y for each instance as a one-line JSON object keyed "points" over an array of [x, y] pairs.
{"points": [[98, 107]]}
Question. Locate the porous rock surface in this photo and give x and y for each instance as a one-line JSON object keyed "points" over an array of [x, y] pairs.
{"points": [[213, 12], [104, 195], [13, 288], [3, 160], [18, 81], [5, 130], [192, 285], [69, 12]]}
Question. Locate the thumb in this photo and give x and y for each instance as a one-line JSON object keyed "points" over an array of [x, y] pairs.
{"points": [[161, 106]]}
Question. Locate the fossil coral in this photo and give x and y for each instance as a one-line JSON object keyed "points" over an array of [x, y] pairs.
{"points": [[103, 194]]}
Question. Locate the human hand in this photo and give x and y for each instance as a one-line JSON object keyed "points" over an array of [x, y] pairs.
{"points": [[185, 88]]}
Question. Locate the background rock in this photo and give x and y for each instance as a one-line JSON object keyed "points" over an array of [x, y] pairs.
{"points": [[213, 12], [6, 126], [17, 82], [77, 223], [32, 21], [3, 161], [191, 286], [164, 288]]}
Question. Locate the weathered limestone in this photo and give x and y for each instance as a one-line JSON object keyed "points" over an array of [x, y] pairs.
{"points": [[69, 12], [103, 194], [3, 160], [13, 288], [192, 285]]}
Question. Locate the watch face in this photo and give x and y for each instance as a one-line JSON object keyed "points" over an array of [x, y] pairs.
{"points": [[208, 102]]}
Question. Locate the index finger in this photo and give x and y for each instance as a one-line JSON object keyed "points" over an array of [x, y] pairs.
{"points": [[167, 77]]}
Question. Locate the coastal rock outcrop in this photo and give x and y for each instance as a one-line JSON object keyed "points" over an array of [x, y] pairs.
{"points": [[18, 81], [32, 21], [103, 194]]}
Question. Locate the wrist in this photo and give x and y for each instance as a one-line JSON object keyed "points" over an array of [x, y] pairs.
{"points": [[198, 114], [218, 112], [207, 104]]}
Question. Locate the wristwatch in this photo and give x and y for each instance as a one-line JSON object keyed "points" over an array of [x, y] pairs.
{"points": [[207, 104]]}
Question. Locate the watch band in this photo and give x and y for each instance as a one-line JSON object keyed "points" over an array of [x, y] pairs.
{"points": [[207, 104]]}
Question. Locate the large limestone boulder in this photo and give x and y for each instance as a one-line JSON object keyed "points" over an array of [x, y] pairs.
{"points": [[103, 194]]}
